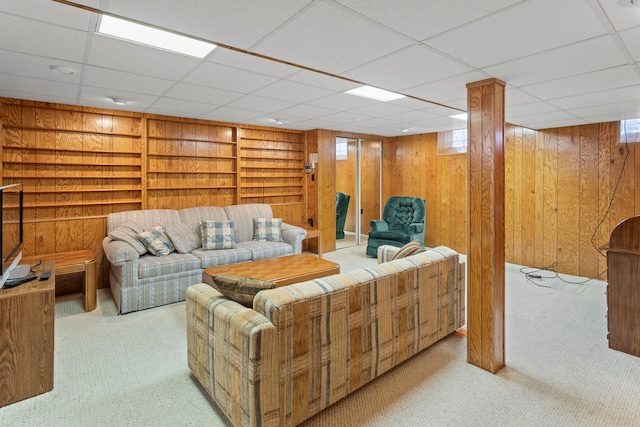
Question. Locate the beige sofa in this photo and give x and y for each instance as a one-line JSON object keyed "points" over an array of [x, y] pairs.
{"points": [[140, 280], [305, 346]]}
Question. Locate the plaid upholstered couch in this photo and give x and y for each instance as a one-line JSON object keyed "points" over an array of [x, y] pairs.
{"points": [[140, 280], [305, 346]]}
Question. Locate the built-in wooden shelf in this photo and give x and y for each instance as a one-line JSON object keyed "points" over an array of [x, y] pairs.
{"points": [[200, 187], [192, 172], [33, 162], [72, 150], [248, 196], [87, 190], [187, 139], [22, 176], [70, 205], [272, 185], [191, 156], [84, 131]]}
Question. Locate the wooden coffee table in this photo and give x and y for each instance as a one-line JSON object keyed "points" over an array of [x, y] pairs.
{"points": [[283, 270]]}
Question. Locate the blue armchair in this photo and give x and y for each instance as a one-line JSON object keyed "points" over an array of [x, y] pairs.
{"points": [[402, 221]]}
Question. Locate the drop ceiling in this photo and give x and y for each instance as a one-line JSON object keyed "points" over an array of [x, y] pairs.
{"points": [[286, 63]]}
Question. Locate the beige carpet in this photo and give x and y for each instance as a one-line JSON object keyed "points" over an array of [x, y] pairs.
{"points": [[132, 370]]}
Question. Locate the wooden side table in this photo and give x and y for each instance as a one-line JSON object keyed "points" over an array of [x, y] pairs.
{"points": [[313, 233], [26, 338], [74, 262]]}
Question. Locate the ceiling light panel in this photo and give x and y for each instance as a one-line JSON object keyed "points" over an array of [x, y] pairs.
{"points": [[374, 93], [138, 33]]}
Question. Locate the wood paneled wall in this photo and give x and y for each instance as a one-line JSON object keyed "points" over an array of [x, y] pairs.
{"points": [[79, 164], [411, 167], [561, 198], [559, 191]]}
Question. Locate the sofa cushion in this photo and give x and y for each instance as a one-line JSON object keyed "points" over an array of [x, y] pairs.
{"points": [[411, 248], [218, 235], [243, 216], [126, 232], [183, 237], [263, 250], [240, 288], [151, 266], [221, 256], [156, 241], [194, 216], [267, 229]]}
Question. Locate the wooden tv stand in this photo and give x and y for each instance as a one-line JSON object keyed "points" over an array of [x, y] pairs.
{"points": [[26, 338], [623, 290]]}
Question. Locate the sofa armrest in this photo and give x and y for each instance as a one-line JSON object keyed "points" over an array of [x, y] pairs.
{"points": [[233, 351], [118, 252], [416, 227], [294, 236], [379, 225]]}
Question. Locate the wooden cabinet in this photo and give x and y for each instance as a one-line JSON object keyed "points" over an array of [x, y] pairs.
{"points": [[623, 290], [26, 338]]}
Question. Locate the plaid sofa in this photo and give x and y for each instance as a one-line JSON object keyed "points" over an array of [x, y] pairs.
{"points": [[143, 281], [305, 346]]}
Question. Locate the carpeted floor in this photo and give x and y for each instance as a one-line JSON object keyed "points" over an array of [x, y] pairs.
{"points": [[132, 370]]}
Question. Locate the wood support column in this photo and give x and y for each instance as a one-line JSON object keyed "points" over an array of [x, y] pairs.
{"points": [[486, 236]]}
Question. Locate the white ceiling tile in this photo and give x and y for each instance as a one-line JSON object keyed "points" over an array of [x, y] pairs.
{"points": [[380, 109], [623, 108], [180, 106], [624, 94], [201, 94], [412, 116], [36, 97], [345, 117], [128, 82], [37, 66], [307, 111], [238, 23], [228, 78], [579, 58], [407, 68], [447, 89], [530, 109], [232, 114], [50, 12], [108, 52], [549, 123], [260, 103], [286, 90], [621, 17], [328, 38], [24, 35], [631, 39], [514, 96], [591, 82], [342, 102], [517, 32], [31, 85], [420, 19], [313, 78], [246, 61], [99, 97]]}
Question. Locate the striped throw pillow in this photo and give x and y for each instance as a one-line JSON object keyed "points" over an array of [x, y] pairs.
{"points": [[241, 289], [411, 248], [184, 237]]}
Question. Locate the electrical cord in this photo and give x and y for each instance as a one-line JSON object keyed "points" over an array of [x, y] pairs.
{"points": [[535, 273]]}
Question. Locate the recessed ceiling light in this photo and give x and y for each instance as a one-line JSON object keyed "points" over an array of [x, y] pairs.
{"points": [[462, 116], [154, 37], [62, 70], [119, 100], [374, 93]]}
